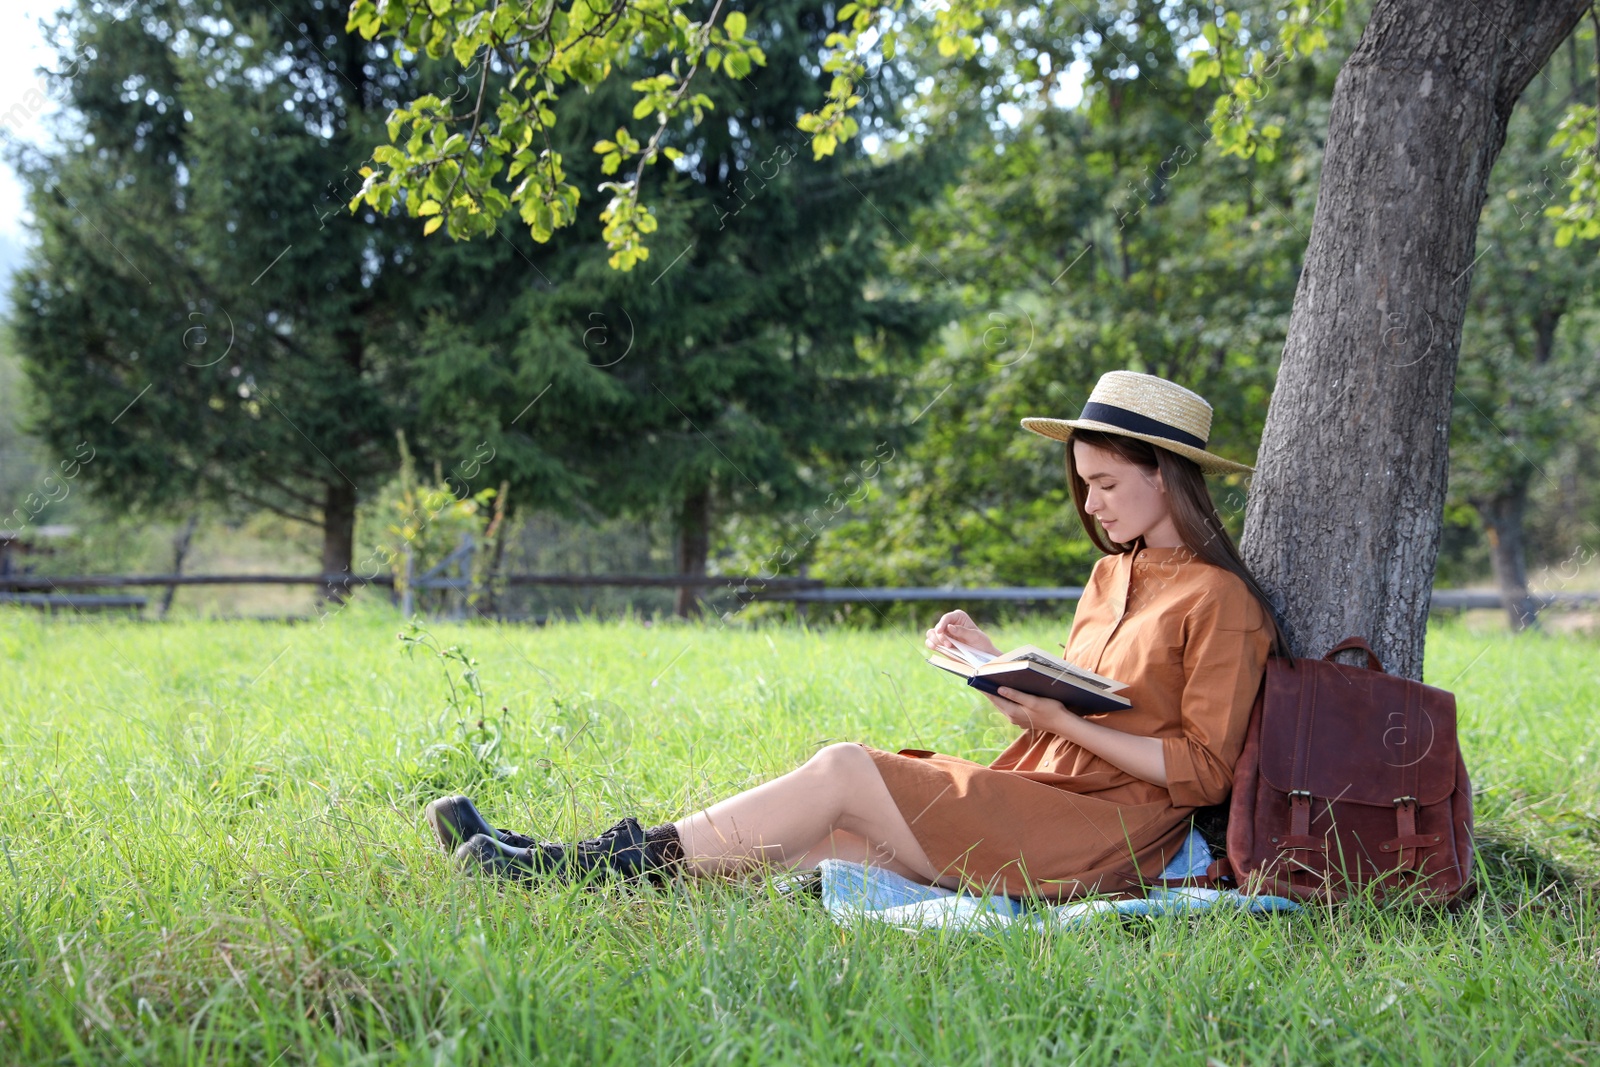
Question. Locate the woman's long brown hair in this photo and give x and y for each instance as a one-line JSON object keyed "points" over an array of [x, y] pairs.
{"points": [[1193, 511]]}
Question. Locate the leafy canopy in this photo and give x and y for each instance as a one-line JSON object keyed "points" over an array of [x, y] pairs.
{"points": [[463, 164]]}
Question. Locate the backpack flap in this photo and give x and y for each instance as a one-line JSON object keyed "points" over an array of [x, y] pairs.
{"points": [[1357, 736]]}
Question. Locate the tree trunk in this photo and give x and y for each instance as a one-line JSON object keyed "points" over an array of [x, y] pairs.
{"points": [[1347, 501], [338, 535], [1502, 521], [495, 535], [693, 545], [180, 552]]}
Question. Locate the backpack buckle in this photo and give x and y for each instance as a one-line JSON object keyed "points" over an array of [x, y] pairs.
{"points": [[1406, 839], [1300, 816]]}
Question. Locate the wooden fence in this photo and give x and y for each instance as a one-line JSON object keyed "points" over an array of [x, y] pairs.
{"points": [[64, 591]]}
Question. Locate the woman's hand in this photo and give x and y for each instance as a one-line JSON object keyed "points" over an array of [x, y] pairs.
{"points": [[1141, 756], [959, 626], [1028, 711]]}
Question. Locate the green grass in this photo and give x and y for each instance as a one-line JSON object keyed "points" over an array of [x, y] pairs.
{"points": [[213, 854]]}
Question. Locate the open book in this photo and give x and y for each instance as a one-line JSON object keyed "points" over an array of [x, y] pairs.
{"points": [[1033, 670]]}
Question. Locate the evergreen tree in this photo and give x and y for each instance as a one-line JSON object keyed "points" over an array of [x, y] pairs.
{"points": [[760, 357], [206, 314], [201, 308]]}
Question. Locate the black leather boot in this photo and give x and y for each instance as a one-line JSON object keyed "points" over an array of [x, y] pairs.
{"points": [[488, 855], [625, 852], [456, 821]]}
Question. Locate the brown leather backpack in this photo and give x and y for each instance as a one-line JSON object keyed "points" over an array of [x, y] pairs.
{"points": [[1350, 778]]}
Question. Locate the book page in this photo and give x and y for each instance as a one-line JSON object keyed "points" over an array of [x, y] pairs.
{"points": [[1034, 654], [973, 657]]}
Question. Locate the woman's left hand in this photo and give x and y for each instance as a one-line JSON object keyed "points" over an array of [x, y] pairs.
{"points": [[1028, 711]]}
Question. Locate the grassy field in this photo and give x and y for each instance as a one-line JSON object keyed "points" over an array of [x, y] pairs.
{"points": [[213, 854]]}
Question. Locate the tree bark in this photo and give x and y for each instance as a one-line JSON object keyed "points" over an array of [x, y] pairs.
{"points": [[180, 552], [338, 534], [489, 588], [1502, 517], [1347, 501], [693, 545]]}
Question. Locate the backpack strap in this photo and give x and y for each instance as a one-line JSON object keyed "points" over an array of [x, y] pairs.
{"points": [[1300, 798], [1299, 835]]}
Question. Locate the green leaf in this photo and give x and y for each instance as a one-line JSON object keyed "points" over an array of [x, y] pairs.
{"points": [[734, 24], [433, 224], [647, 104], [429, 207]]}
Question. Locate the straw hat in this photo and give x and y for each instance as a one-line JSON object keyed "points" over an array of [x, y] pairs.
{"points": [[1150, 409]]}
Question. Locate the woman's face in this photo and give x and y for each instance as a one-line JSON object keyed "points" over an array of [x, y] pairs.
{"points": [[1127, 499]]}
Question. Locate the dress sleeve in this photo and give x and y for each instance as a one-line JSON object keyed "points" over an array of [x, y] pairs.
{"points": [[1226, 642]]}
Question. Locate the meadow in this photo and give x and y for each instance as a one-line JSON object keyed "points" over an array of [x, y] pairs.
{"points": [[214, 854]]}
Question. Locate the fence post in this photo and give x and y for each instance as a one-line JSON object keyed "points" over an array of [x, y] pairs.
{"points": [[408, 597], [464, 554]]}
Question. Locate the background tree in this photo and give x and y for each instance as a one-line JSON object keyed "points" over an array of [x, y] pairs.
{"points": [[200, 308], [752, 369], [1528, 372]]}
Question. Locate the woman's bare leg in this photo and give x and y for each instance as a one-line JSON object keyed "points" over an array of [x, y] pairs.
{"points": [[844, 845], [834, 804], [839, 845]]}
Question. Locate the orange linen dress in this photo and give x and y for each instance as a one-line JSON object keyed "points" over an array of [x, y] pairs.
{"points": [[1048, 817]]}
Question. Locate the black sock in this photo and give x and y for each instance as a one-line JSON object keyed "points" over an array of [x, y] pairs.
{"points": [[663, 852]]}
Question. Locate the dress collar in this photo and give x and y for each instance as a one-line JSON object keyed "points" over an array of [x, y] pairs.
{"points": [[1142, 553], [1181, 553]]}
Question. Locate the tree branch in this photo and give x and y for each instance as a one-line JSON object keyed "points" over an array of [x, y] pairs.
{"points": [[1539, 25], [661, 128]]}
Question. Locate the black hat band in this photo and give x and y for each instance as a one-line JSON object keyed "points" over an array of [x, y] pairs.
{"points": [[1134, 422]]}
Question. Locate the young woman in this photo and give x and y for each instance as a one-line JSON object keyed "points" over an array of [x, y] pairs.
{"points": [[1076, 804]]}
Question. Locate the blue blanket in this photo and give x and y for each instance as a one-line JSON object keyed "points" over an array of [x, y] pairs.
{"points": [[853, 893]]}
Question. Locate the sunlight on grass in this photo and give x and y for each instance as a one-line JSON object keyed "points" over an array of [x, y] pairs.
{"points": [[214, 854]]}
